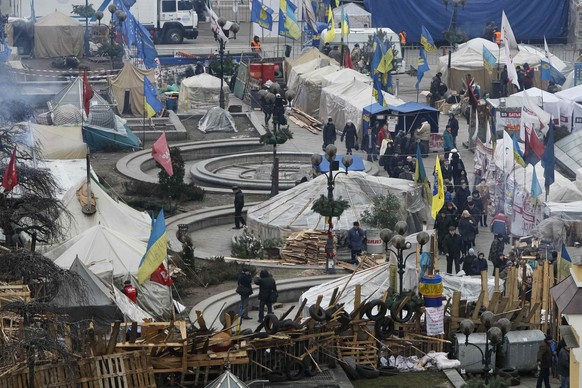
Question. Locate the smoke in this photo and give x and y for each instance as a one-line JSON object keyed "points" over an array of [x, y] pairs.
{"points": [[13, 107]]}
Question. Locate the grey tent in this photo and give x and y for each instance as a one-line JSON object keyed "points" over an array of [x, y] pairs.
{"points": [[217, 120], [227, 380], [357, 16]]}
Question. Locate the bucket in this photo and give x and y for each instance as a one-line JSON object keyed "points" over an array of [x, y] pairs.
{"points": [[256, 70], [375, 243], [268, 72], [172, 103], [431, 286], [433, 302]]}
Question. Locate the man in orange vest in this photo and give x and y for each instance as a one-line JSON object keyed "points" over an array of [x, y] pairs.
{"points": [[256, 44], [498, 37], [130, 291], [402, 36]]}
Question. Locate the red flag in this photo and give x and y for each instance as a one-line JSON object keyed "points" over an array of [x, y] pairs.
{"points": [[348, 60], [161, 154], [160, 275], [10, 177], [534, 148], [473, 101], [87, 93]]}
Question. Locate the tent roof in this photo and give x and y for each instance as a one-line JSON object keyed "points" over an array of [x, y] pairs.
{"points": [[102, 250], [291, 209], [308, 55], [131, 77], [350, 9], [572, 94], [203, 80], [411, 106], [568, 296], [307, 67], [376, 108], [72, 94], [56, 19], [59, 142], [568, 152], [536, 92], [345, 75], [227, 380]]}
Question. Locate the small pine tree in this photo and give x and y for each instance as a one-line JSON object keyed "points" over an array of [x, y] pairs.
{"points": [[385, 212], [173, 185], [84, 11]]}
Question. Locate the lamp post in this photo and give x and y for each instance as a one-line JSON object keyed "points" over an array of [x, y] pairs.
{"points": [[316, 159], [400, 243], [86, 48], [121, 16], [494, 336], [227, 27]]}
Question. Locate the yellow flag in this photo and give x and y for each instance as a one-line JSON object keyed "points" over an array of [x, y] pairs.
{"points": [[438, 190], [385, 64], [330, 27]]}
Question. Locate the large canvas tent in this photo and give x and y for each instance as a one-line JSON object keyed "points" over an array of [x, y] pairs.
{"points": [[309, 55], [295, 75], [130, 80], [57, 35], [347, 101], [345, 75], [200, 93], [291, 210], [357, 16], [59, 142], [309, 89]]}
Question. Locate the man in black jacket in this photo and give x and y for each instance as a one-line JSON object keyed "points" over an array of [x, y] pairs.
{"points": [[244, 289], [452, 245], [329, 133], [239, 203], [267, 288]]}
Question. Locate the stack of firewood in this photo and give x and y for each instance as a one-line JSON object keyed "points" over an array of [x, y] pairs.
{"points": [[366, 261], [304, 120], [305, 247]]}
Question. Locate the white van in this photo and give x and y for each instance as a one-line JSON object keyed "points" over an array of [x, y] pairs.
{"points": [[362, 36]]}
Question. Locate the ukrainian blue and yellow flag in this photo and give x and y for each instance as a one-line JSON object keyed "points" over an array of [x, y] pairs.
{"points": [[438, 191], [150, 98], [330, 35], [426, 40], [288, 25], [517, 154], [377, 90], [262, 15], [489, 60], [157, 250], [345, 23]]}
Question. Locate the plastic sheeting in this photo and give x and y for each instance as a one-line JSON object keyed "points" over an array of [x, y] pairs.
{"points": [[200, 93], [525, 17], [309, 90], [217, 120], [347, 101], [57, 35], [374, 281], [357, 16], [72, 94], [291, 210], [470, 286]]}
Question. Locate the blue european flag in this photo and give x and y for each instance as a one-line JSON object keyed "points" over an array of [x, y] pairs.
{"points": [[262, 15], [550, 73], [135, 34]]}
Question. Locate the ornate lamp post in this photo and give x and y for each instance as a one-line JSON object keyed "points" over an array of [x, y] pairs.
{"points": [[227, 27], [400, 243], [121, 16], [316, 159], [495, 335]]}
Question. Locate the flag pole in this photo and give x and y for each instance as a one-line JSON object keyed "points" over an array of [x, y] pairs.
{"points": [[143, 129]]}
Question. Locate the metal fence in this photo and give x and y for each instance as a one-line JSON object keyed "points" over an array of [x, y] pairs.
{"points": [[234, 10]]}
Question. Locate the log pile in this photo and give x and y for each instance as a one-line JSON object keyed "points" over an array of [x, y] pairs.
{"points": [[305, 247], [366, 262], [304, 120]]}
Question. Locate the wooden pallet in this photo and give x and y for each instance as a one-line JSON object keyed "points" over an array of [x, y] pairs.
{"points": [[13, 292]]}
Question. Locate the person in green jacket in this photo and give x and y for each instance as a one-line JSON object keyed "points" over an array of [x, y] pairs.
{"points": [[448, 141]]}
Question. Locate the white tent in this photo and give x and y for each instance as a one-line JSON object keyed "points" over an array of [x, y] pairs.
{"points": [[200, 93], [346, 101], [309, 55], [571, 107], [345, 75], [297, 71], [227, 380], [57, 35], [110, 213], [309, 89], [357, 16], [72, 94], [571, 94], [291, 210], [468, 58], [59, 142]]}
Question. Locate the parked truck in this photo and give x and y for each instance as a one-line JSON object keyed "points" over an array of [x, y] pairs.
{"points": [[169, 21]]}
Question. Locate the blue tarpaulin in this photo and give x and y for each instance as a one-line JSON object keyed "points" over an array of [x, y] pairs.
{"points": [[368, 112], [411, 114], [357, 165], [529, 19]]}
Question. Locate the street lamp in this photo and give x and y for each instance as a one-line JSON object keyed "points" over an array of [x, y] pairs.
{"points": [[226, 27], [399, 242], [494, 335], [347, 161], [121, 16]]}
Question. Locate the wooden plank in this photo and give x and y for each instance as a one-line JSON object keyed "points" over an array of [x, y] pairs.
{"points": [[484, 289], [494, 302], [480, 303], [358, 299]]}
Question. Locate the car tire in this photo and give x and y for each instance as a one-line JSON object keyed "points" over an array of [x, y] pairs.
{"points": [[388, 370], [310, 368], [409, 308], [271, 324], [296, 370], [276, 376], [367, 371], [317, 313], [350, 371], [174, 36], [382, 310], [384, 328]]}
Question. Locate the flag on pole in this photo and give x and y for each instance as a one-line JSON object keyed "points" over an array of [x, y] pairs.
{"points": [[160, 275], [508, 159], [377, 90], [426, 40], [548, 159], [309, 15], [161, 154], [532, 116], [10, 175], [288, 25], [489, 60], [511, 48], [550, 73], [422, 67], [536, 189], [534, 148], [262, 15], [345, 23], [420, 173], [547, 50], [348, 59], [438, 191], [150, 98], [87, 93], [565, 254], [157, 250], [517, 154], [330, 35]]}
